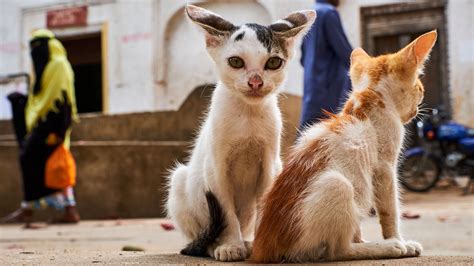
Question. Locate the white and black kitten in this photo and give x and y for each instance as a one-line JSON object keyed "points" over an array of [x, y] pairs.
{"points": [[213, 198]]}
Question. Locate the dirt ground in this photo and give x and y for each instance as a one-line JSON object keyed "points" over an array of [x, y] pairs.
{"points": [[445, 229]]}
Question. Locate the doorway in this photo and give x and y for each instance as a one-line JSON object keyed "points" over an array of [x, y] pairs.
{"points": [[84, 52]]}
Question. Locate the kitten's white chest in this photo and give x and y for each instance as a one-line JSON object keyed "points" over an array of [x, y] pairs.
{"points": [[245, 168]]}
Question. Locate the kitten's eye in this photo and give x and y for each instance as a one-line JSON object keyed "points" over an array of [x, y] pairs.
{"points": [[274, 63], [236, 62]]}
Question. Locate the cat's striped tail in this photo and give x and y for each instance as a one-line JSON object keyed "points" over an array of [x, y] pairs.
{"points": [[198, 247]]}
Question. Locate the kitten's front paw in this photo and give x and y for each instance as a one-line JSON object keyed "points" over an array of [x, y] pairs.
{"points": [[230, 252], [398, 248], [414, 249]]}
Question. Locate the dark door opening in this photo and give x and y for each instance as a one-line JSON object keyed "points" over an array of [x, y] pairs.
{"points": [[85, 54]]}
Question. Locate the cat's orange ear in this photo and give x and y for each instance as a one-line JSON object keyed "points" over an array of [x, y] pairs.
{"points": [[358, 54], [420, 48], [423, 46]]}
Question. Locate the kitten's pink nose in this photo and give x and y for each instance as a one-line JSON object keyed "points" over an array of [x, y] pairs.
{"points": [[255, 82]]}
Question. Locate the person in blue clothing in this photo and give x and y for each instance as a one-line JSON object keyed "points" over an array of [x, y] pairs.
{"points": [[325, 59]]}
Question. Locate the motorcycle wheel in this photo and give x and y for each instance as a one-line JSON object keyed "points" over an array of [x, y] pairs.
{"points": [[419, 173]]}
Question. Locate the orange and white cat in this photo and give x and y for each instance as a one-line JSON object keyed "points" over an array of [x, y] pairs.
{"points": [[344, 165]]}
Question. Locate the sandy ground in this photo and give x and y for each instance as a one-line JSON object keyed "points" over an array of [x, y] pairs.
{"points": [[445, 229]]}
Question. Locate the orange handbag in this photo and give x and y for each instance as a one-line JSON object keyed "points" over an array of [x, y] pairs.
{"points": [[60, 171]]}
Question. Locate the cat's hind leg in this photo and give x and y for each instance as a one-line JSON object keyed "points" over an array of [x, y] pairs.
{"points": [[177, 205], [332, 213], [329, 218]]}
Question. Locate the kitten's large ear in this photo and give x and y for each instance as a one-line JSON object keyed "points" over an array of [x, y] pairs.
{"points": [[295, 25], [420, 48], [358, 54], [216, 28]]}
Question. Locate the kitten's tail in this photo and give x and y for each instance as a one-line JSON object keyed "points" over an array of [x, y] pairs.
{"points": [[198, 247]]}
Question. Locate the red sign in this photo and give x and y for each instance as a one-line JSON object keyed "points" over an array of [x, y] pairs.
{"points": [[68, 17]]}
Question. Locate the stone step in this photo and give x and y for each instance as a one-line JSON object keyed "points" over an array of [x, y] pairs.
{"points": [[165, 125], [6, 127], [7, 137], [114, 178]]}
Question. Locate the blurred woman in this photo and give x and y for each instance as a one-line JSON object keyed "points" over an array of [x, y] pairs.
{"points": [[42, 122]]}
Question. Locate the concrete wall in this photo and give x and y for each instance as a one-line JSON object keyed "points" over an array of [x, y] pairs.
{"points": [[461, 59], [148, 43], [10, 50], [10, 40]]}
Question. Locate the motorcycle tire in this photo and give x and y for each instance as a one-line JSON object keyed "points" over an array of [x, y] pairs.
{"points": [[414, 170]]}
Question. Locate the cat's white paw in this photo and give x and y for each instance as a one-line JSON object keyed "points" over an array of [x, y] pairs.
{"points": [[414, 249], [230, 252], [398, 248]]}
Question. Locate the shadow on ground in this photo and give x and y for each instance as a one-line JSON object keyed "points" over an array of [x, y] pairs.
{"points": [[178, 259]]}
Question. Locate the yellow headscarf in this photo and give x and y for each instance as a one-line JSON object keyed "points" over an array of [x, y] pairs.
{"points": [[57, 77]]}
